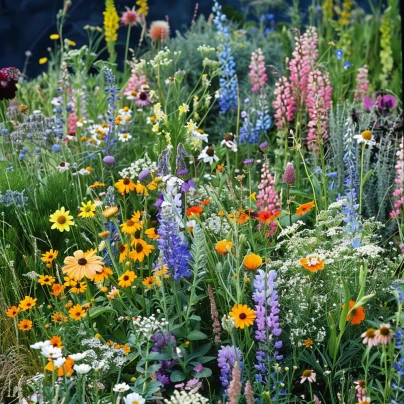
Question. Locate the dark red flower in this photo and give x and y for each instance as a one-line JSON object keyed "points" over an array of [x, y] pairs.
{"points": [[8, 80]]}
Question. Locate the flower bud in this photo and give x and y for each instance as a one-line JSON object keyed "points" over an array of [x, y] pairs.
{"points": [[289, 175]]}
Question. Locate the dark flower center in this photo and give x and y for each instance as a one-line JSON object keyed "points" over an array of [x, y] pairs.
{"points": [[210, 152], [385, 331], [370, 333], [307, 373], [126, 181], [126, 278], [228, 137], [82, 261], [362, 383], [143, 96], [242, 316], [137, 234], [121, 248], [61, 220], [130, 223], [139, 248]]}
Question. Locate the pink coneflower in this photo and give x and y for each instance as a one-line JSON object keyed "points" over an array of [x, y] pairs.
{"points": [[308, 375], [129, 18], [360, 386], [384, 334], [159, 30], [369, 337], [142, 99]]}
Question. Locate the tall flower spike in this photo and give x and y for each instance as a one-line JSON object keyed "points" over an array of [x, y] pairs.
{"points": [[111, 25], [284, 104], [226, 359], [318, 103], [258, 75], [398, 193], [267, 198], [215, 315], [228, 80], [235, 385], [362, 84]]}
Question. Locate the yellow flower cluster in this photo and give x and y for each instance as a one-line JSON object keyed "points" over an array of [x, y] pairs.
{"points": [[143, 7], [327, 7], [345, 16], [111, 21]]}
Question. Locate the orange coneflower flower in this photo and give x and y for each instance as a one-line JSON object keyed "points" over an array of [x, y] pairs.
{"points": [[57, 289], [27, 303], [59, 318], [306, 207], [133, 224], [312, 263], [150, 281], [56, 341], [78, 287], [46, 280], [49, 256], [101, 276], [151, 233], [357, 315], [126, 279], [77, 312]]}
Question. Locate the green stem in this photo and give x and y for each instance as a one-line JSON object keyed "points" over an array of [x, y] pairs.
{"points": [[361, 185], [126, 52]]}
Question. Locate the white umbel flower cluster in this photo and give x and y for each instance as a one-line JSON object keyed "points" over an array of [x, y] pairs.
{"points": [[138, 166], [184, 397]]}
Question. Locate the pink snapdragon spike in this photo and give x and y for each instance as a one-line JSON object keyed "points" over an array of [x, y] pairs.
{"points": [[398, 193], [71, 124], [284, 103], [136, 81], [362, 84], [258, 75], [318, 103], [267, 198]]}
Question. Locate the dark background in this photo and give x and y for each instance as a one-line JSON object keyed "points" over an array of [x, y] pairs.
{"points": [[27, 24]]}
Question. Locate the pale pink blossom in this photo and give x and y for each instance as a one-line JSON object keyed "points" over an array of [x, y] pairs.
{"points": [[384, 334], [362, 84], [258, 75], [369, 337], [308, 375]]}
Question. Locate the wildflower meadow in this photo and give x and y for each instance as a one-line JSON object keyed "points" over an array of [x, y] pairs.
{"points": [[208, 216]]}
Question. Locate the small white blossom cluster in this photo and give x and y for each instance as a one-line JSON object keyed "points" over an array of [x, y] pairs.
{"points": [[138, 166], [205, 50], [184, 397], [162, 58], [217, 224], [31, 275], [148, 325]]}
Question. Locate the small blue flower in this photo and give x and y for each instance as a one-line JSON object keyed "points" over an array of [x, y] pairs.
{"points": [[338, 54], [21, 156], [56, 148], [37, 150], [25, 149], [347, 65], [29, 135]]}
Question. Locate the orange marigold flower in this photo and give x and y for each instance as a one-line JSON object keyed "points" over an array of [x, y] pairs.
{"points": [[57, 289], [306, 207], [223, 247], [252, 262], [220, 167], [308, 343], [355, 316], [25, 325], [312, 263], [194, 210], [12, 312]]}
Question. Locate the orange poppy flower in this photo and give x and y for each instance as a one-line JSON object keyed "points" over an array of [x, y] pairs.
{"points": [[356, 316], [312, 263], [205, 202], [306, 207], [308, 343], [196, 210]]}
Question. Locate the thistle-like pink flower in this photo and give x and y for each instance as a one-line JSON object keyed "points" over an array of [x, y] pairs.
{"points": [[129, 18], [267, 198], [159, 31], [217, 329], [289, 176], [258, 75], [318, 103], [398, 193], [284, 103], [362, 84]]}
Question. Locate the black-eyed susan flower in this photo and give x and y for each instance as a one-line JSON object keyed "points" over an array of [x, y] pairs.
{"points": [[87, 209], [126, 279], [150, 281], [151, 233], [49, 256], [125, 185], [101, 276], [27, 303], [82, 264], [61, 220], [243, 315], [25, 325], [12, 311], [77, 312], [78, 287], [140, 250], [133, 224], [59, 318], [56, 341], [46, 280], [123, 252]]}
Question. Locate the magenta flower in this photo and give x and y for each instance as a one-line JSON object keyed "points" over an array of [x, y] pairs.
{"points": [[129, 18]]}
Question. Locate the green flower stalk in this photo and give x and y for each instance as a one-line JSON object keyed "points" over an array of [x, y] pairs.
{"points": [[386, 53]]}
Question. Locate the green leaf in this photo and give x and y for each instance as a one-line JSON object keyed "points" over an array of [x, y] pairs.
{"points": [[205, 372], [157, 356], [194, 317], [97, 311], [199, 352], [196, 336], [177, 376], [332, 344], [366, 177], [344, 313]]}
